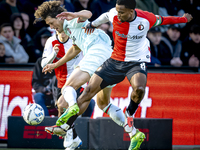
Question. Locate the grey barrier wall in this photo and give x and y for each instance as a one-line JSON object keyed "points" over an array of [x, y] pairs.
{"points": [[96, 134]]}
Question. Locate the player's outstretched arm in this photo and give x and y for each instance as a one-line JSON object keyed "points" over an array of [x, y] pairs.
{"points": [[174, 20], [82, 15]]}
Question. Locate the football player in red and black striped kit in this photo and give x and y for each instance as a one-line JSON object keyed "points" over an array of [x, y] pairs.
{"points": [[129, 57]]}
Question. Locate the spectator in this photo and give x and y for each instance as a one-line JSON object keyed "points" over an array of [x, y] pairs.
{"points": [[147, 5], [26, 20], [3, 57], [192, 7], [190, 54], [17, 23], [29, 7], [99, 7], [19, 31], [12, 44], [7, 8], [40, 39], [154, 35], [68, 5], [41, 83], [172, 8], [81, 5], [2, 53], [170, 55]]}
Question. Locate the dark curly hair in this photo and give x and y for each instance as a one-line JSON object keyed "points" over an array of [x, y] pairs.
{"points": [[49, 8]]}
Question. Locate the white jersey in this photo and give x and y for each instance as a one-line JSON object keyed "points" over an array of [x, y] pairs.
{"points": [[73, 29], [63, 72]]}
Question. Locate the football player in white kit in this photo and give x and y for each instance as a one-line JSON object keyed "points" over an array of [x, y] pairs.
{"points": [[129, 57], [96, 49], [55, 48]]}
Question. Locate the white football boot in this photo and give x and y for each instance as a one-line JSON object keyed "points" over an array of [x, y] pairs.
{"points": [[70, 143]]}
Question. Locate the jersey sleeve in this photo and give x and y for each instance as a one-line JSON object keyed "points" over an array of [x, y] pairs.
{"points": [[173, 20], [74, 23], [111, 14], [148, 16], [48, 48]]}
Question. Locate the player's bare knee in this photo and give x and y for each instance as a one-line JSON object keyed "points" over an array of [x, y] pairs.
{"points": [[138, 94], [87, 92]]}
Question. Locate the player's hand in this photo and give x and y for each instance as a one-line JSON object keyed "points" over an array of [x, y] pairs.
{"points": [[67, 15], [89, 28], [56, 48], [48, 68], [188, 16]]}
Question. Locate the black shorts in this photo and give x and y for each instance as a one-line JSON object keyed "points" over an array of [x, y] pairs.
{"points": [[113, 71]]}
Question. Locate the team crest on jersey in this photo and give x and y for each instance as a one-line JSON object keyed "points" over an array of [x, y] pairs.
{"points": [[141, 26]]}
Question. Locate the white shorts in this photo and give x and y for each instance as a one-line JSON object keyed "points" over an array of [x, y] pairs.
{"points": [[96, 55]]}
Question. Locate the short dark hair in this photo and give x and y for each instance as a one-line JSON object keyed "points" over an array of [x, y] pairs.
{"points": [[5, 25], [195, 29], [49, 8], [128, 3]]}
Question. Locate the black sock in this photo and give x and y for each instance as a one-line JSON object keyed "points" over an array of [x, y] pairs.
{"points": [[74, 131], [132, 107], [71, 120]]}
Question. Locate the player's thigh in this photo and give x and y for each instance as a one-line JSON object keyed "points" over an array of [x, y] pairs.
{"points": [[103, 97], [137, 75], [77, 78]]}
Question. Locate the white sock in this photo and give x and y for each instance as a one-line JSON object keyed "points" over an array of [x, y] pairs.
{"points": [[65, 126], [70, 95], [132, 133], [115, 113]]}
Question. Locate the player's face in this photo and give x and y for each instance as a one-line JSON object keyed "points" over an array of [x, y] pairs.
{"points": [[124, 14], [8, 33], [55, 23]]}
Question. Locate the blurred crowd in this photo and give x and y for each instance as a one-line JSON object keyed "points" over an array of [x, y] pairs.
{"points": [[177, 45]]}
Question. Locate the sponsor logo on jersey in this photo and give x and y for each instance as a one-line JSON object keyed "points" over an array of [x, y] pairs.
{"points": [[128, 36], [140, 26]]}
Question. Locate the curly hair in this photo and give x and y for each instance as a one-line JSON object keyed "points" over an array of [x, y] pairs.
{"points": [[49, 8]]}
